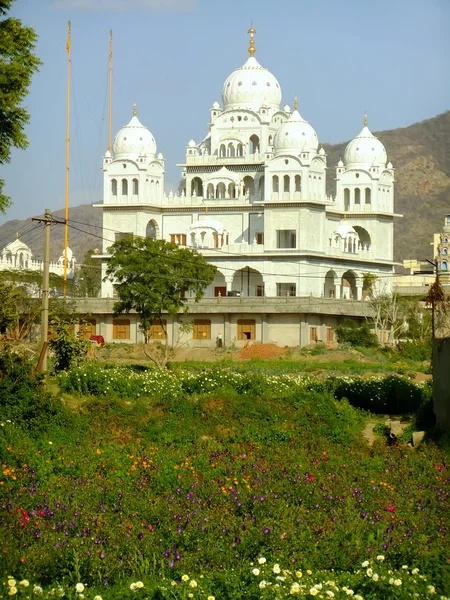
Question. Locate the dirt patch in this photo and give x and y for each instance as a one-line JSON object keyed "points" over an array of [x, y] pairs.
{"points": [[261, 351], [214, 404], [420, 377], [368, 433]]}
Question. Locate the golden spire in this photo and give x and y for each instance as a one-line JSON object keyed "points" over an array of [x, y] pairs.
{"points": [[295, 103], [365, 120], [134, 109], [252, 32], [17, 235]]}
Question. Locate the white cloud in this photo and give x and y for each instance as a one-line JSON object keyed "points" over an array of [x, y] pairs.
{"points": [[127, 5]]}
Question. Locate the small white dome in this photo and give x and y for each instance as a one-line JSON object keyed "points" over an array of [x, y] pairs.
{"points": [[208, 224], [340, 163], [192, 143], [345, 229], [365, 149], [216, 105], [294, 135], [160, 156], [390, 165], [322, 152], [251, 86], [134, 140], [287, 108]]}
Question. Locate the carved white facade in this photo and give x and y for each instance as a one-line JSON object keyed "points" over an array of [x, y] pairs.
{"points": [[18, 256], [253, 198]]}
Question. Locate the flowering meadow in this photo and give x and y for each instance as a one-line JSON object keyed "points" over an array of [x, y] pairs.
{"points": [[148, 484]]}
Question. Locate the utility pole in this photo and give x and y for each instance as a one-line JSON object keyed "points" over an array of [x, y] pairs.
{"points": [[47, 220]]}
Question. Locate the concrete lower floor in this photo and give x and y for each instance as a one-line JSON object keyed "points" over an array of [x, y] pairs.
{"points": [[230, 321]]}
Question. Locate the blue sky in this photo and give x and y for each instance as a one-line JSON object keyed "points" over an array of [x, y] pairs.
{"points": [[387, 57]]}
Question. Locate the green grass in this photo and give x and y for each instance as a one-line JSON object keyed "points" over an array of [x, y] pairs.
{"points": [[204, 472]]}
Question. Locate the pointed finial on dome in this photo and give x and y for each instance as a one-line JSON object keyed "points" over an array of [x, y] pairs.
{"points": [[17, 235], [134, 109], [295, 103], [252, 32], [366, 121]]}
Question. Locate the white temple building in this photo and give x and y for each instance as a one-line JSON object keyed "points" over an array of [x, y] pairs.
{"points": [[18, 256], [253, 198]]}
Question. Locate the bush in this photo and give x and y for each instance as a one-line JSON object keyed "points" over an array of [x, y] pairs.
{"points": [[416, 350], [389, 395], [23, 398], [350, 333]]}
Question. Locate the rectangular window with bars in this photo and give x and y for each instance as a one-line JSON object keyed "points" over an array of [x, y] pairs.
{"points": [[88, 327], [157, 331], [201, 329], [313, 334], [246, 329], [178, 238], [121, 329]]}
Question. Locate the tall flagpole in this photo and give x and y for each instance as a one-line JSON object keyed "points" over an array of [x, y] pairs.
{"points": [[110, 92], [66, 223]]}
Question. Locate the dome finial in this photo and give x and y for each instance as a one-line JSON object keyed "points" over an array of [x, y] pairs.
{"points": [[366, 121], [252, 32], [134, 109], [295, 103], [17, 235]]}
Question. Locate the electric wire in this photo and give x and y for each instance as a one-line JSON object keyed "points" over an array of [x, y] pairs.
{"points": [[174, 258]]}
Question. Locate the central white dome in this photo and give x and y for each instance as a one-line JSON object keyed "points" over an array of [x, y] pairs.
{"points": [[134, 140], [294, 135], [251, 86], [365, 149]]}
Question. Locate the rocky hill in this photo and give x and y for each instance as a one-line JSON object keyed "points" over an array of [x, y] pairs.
{"points": [[420, 154]]}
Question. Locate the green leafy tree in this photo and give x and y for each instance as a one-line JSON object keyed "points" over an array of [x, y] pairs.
{"points": [[17, 65], [154, 277], [67, 345], [89, 277]]}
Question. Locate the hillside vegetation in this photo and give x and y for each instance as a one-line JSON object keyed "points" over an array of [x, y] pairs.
{"points": [[132, 482]]}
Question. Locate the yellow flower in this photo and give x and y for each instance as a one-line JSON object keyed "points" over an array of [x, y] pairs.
{"points": [[11, 582], [192, 584], [25, 583], [139, 584], [309, 572], [313, 591], [185, 578], [190, 595], [97, 598], [211, 598], [12, 590]]}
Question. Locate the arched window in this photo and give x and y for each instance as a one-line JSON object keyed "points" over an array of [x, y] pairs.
{"points": [[114, 187], [357, 196], [368, 196], [346, 199], [135, 187], [232, 190], [444, 266], [231, 150], [286, 183], [445, 251], [275, 183], [210, 191], [124, 187], [254, 144], [222, 150], [240, 150], [270, 140], [298, 183], [197, 187], [220, 190]]}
